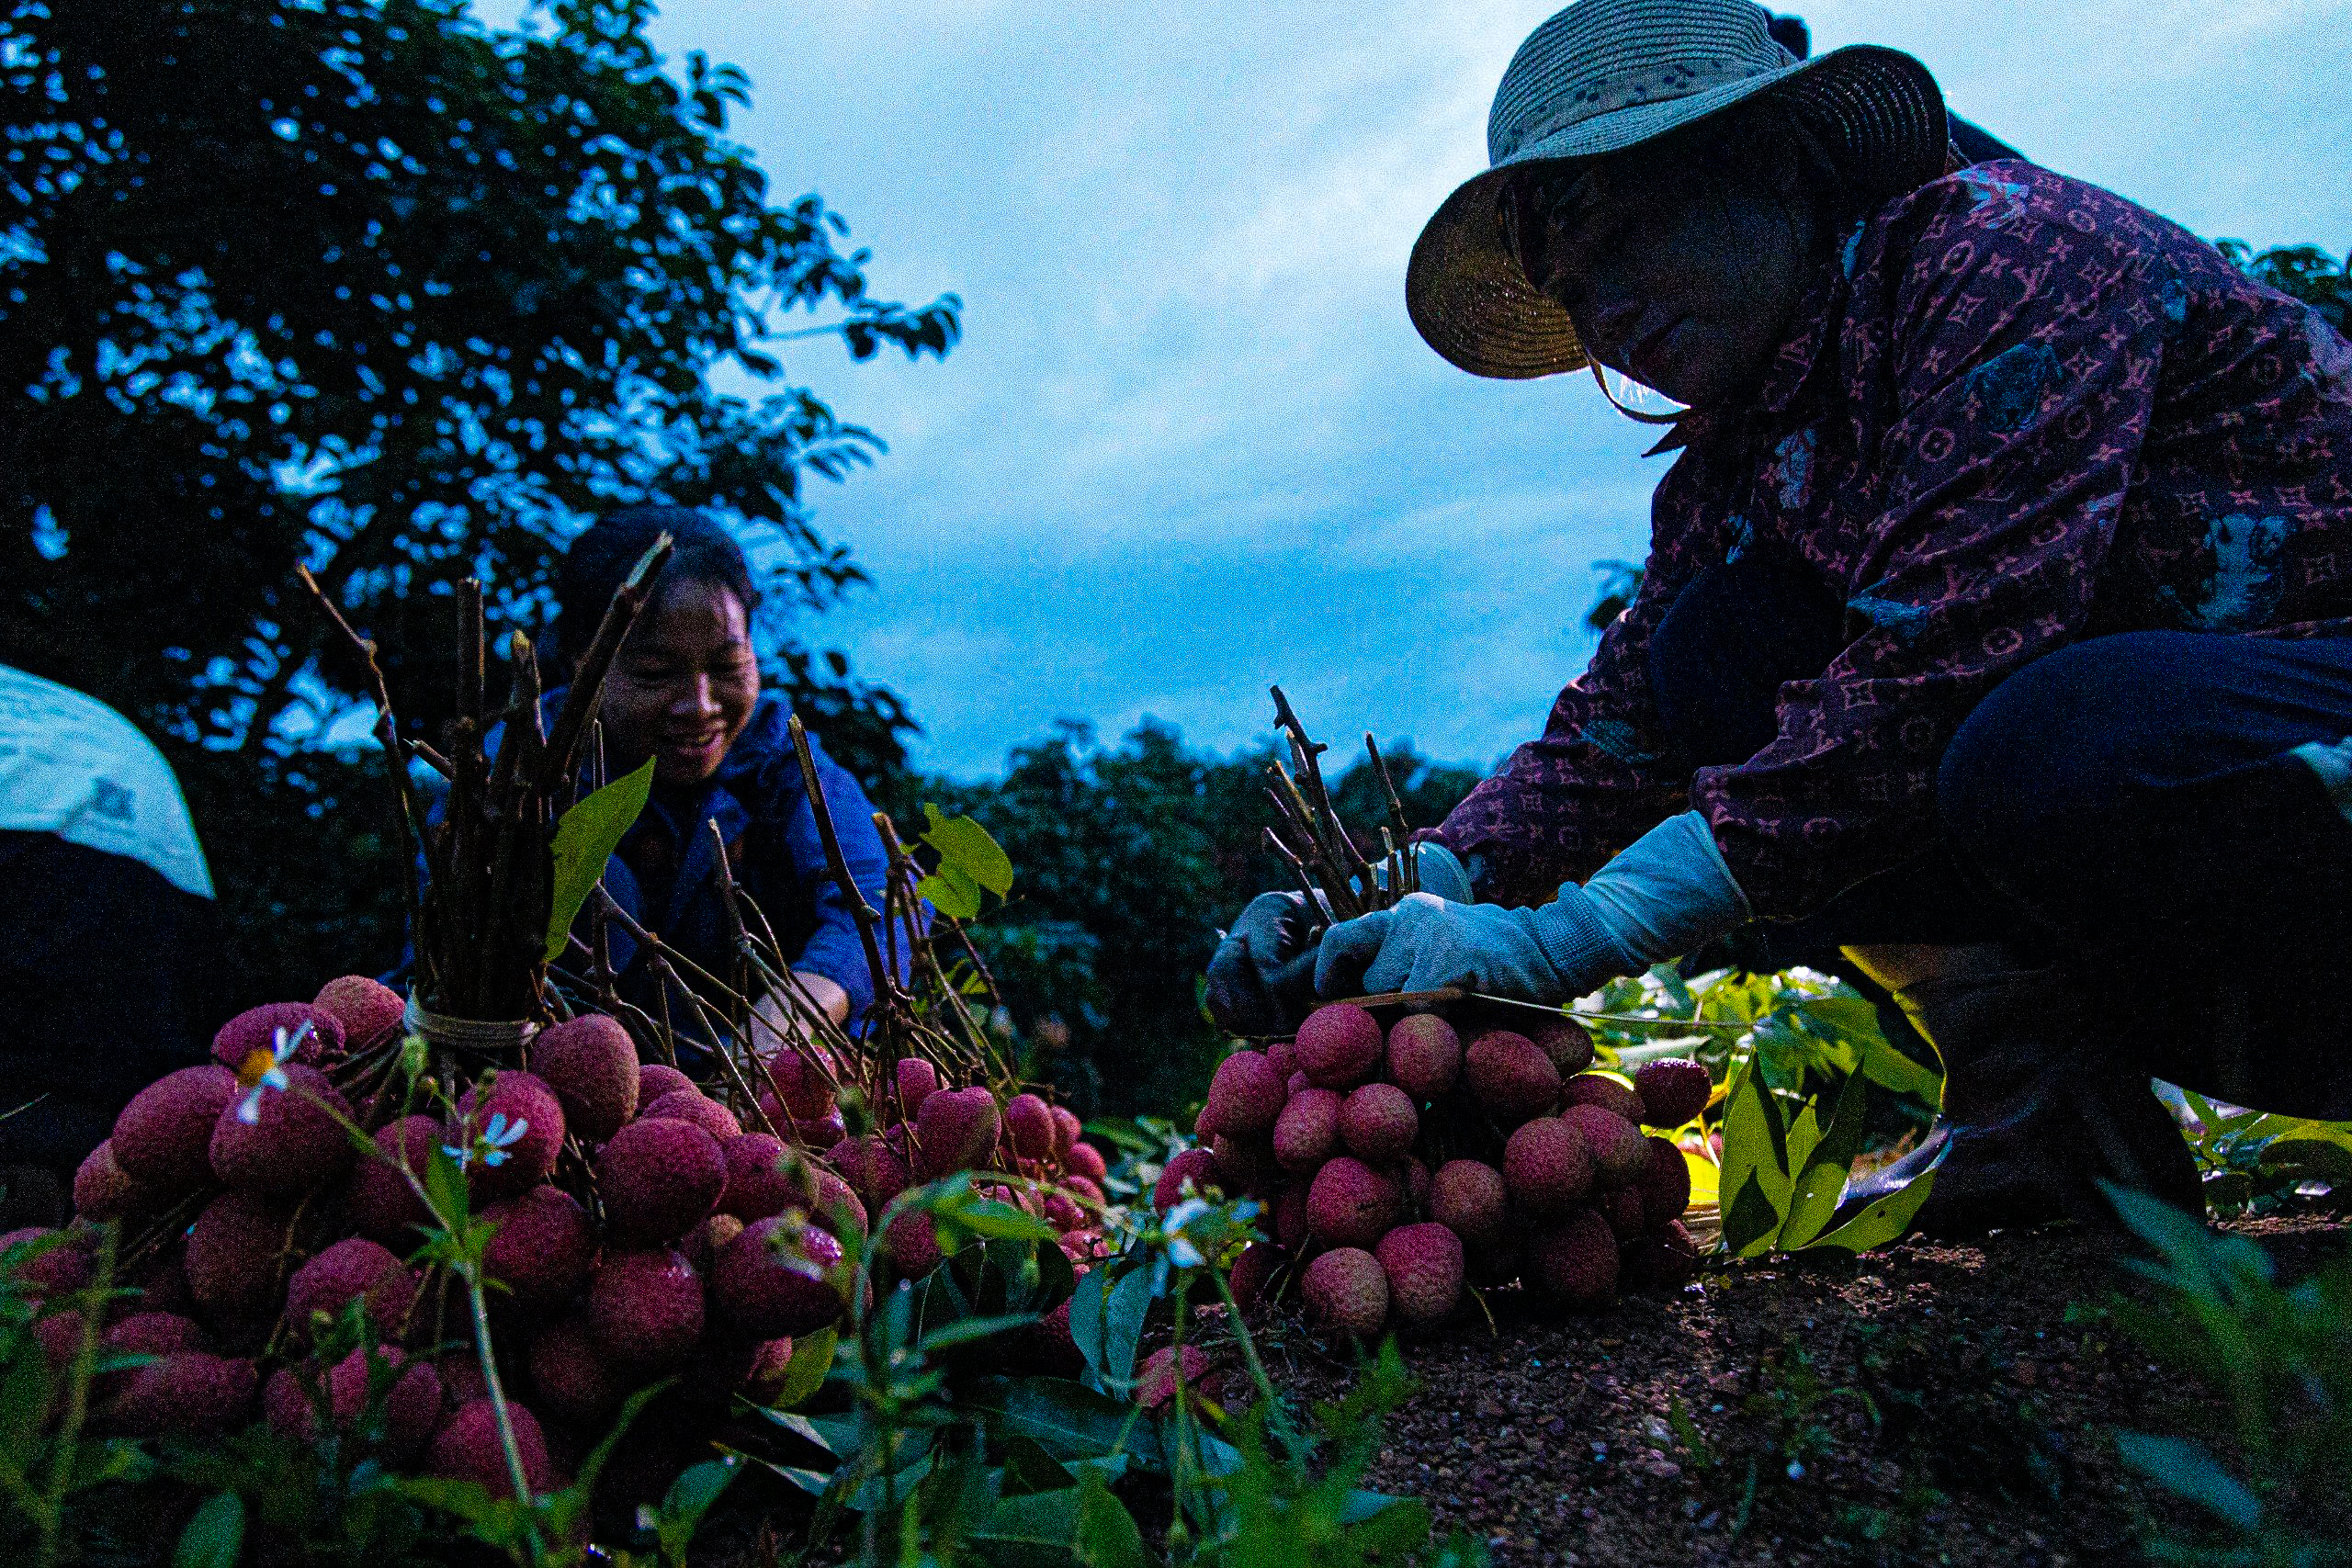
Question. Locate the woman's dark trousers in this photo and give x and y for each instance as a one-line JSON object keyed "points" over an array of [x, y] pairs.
{"points": [[2128, 807]]}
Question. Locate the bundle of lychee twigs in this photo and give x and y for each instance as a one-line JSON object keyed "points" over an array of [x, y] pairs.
{"points": [[1330, 870], [479, 919]]}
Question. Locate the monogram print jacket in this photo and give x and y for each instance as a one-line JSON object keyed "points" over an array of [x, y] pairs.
{"points": [[2020, 412]]}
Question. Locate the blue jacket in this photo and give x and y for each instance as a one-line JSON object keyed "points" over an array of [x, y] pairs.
{"points": [[662, 873]]}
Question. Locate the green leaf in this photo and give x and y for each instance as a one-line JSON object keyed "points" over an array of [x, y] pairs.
{"points": [[1068, 1421], [952, 892], [1087, 1303], [25, 1396], [215, 1536], [1123, 1327], [689, 1499], [1812, 1202], [1032, 1527], [1107, 1536], [1751, 1223], [1883, 1221], [2189, 1471], [812, 1357], [1029, 1468], [585, 837], [964, 1331], [967, 846]]}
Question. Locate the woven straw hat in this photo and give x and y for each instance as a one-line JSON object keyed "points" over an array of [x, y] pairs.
{"points": [[1603, 75]]}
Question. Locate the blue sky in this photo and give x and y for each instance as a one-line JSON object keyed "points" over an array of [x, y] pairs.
{"points": [[1191, 444]]}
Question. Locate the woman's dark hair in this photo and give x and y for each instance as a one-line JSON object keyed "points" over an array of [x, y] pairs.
{"points": [[598, 562]]}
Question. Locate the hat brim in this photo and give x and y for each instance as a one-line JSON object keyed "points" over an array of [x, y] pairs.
{"points": [[1470, 298]]}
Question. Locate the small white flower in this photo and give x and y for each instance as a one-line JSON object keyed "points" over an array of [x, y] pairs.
{"points": [[262, 1070], [1181, 1252], [496, 1137]]}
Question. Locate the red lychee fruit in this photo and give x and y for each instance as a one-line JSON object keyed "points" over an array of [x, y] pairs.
{"points": [[1252, 1272], [1347, 1291], [1511, 1075], [1666, 1185], [380, 1202], [1621, 1207], [412, 1406], [1351, 1204], [693, 1105], [1087, 1194], [1030, 1122], [702, 1244], [756, 1183], [140, 1334], [916, 1080], [256, 1028], [1156, 1378], [820, 1136], [1424, 1055], [1378, 1123], [529, 1137], [1604, 1090], [164, 1137], [104, 1190], [1244, 1164], [1067, 1128], [467, 1448], [1577, 1260], [235, 1251], [800, 1077], [1547, 1168], [1565, 1041], [1063, 1212], [912, 1244], [353, 1268], [189, 1393], [1307, 1132], [1197, 1167], [956, 1130], [1285, 1057], [874, 1171], [367, 1011], [294, 1145], [1666, 1256], [658, 1178], [655, 1079], [60, 1269], [771, 1279], [1423, 1263], [591, 1064], [1619, 1153], [544, 1248], [571, 1377], [645, 1308], [1339, 1046], [1245, 1096], [831, 1202], [1290, 1216], [1084, 1159], [1673, 1092]]}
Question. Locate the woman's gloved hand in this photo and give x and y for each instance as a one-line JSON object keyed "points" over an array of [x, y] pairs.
{"points": [[1423, 942], [1666, 894], [1261, 980]]}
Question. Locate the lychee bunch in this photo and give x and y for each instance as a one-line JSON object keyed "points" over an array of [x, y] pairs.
{"points": [[1400, 1164]]}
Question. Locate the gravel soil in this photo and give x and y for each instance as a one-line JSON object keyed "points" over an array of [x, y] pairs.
{"points": [[1931, 1404]]}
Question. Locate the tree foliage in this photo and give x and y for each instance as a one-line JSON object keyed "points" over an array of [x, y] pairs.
{"points": [[371, 287]]}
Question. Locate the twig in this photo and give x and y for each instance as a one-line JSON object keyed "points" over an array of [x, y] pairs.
{"points": [[587, 687], [885, 982]]}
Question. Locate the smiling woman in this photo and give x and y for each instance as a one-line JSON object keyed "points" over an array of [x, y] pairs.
{"points": [[685, 694]]}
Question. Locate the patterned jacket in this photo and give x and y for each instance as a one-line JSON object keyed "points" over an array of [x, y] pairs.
{"points": [[2020, 412]]}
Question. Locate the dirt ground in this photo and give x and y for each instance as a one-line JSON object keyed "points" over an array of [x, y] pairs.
{"points": [[1932, 1404]]}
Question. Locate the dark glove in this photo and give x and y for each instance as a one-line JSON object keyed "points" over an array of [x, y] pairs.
{"points": [[1261, 980]]}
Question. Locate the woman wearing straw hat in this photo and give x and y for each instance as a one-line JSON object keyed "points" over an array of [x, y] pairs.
{"points": [[1997, 623]]}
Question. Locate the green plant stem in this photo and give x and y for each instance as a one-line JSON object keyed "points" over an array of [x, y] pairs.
{"points": [[521, 1483], [1249, 1342]]}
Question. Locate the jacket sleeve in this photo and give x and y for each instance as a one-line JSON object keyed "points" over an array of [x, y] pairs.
{"points": [[2007, 376], [1601, 774], [834, 949]]}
